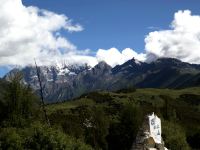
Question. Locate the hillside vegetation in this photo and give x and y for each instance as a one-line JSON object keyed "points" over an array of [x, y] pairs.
{"points": [[97, 120], [115, 117], [22, 123]]}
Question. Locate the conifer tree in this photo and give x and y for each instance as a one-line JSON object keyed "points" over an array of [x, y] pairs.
{"points": [[20, 101]]}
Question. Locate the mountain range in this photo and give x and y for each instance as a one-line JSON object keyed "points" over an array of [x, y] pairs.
{"points": [[70, 81]]}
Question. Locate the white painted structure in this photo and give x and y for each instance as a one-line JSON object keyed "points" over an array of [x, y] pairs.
{"points": [[155, 128]]}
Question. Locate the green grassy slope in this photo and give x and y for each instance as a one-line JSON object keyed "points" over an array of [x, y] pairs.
{"points": [[181, 107], [146, 94]]}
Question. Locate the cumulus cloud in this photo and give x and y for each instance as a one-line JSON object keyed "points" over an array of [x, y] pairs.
{"points": [[30, 32], [114, 57], [181, 41]]}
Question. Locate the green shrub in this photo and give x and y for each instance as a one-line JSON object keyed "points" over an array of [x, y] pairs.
{"points": [[41, 137], [38, 137], [126, 90], [174, 136], [10, 139], [123, 131], [97, 128], [99, 97], [21, 104], [194, 139]]}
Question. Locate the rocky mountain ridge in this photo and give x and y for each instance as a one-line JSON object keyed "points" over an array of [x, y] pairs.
{"points": [[63, 83]]}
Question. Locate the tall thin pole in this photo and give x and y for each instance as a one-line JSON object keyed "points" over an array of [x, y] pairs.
{"points": [[41, 94]]}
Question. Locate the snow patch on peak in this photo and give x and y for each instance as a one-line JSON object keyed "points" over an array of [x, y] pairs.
{"points": [[137, 62], [63, 71], [65, 68]]}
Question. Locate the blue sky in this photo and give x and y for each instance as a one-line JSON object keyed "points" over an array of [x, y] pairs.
{"points": [[114, 23]]}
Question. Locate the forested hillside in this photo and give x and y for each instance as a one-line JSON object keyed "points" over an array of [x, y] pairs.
{"points": [[112, 119], [97, 120], [23, 125]]}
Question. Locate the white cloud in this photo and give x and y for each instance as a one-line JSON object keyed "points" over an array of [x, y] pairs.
{"points": [[114, 57], [182, 41], [29, 32]]}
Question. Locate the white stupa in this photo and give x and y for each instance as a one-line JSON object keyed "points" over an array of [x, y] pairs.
{"points": [[149, 135], [155, 128]]}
